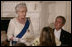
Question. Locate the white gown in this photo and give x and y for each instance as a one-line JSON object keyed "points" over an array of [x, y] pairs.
{"points": [[15, 28]]}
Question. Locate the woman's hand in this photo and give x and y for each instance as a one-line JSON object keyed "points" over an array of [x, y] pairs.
{"points": [[11, 38]]}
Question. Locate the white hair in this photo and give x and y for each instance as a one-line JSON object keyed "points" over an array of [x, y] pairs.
{"points": [[18, 6]]}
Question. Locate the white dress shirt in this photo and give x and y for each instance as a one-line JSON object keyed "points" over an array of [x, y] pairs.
{"points": [[57, 34]]}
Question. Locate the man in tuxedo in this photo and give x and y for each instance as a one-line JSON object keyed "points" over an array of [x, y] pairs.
{"points": [[61, 34]]}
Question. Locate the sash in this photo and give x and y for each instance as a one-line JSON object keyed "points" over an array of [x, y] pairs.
{"points": [[23, 31]]}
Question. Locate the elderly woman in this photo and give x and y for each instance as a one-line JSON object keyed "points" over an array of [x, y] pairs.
{"points": [[20, 29]]}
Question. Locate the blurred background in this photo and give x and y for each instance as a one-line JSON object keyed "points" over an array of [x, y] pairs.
{"points": [[41, 13]]}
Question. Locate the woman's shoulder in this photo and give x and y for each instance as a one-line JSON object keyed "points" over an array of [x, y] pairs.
{"points": [[13, 20]]}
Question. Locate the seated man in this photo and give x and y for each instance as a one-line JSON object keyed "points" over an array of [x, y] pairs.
{"points": [[61, 34]]}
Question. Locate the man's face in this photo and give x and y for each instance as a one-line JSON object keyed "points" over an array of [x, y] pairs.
{"points": [[22, 12], [58, 23]]}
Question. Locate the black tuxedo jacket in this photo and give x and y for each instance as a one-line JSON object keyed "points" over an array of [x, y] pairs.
{"points": [[65, 38]]}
